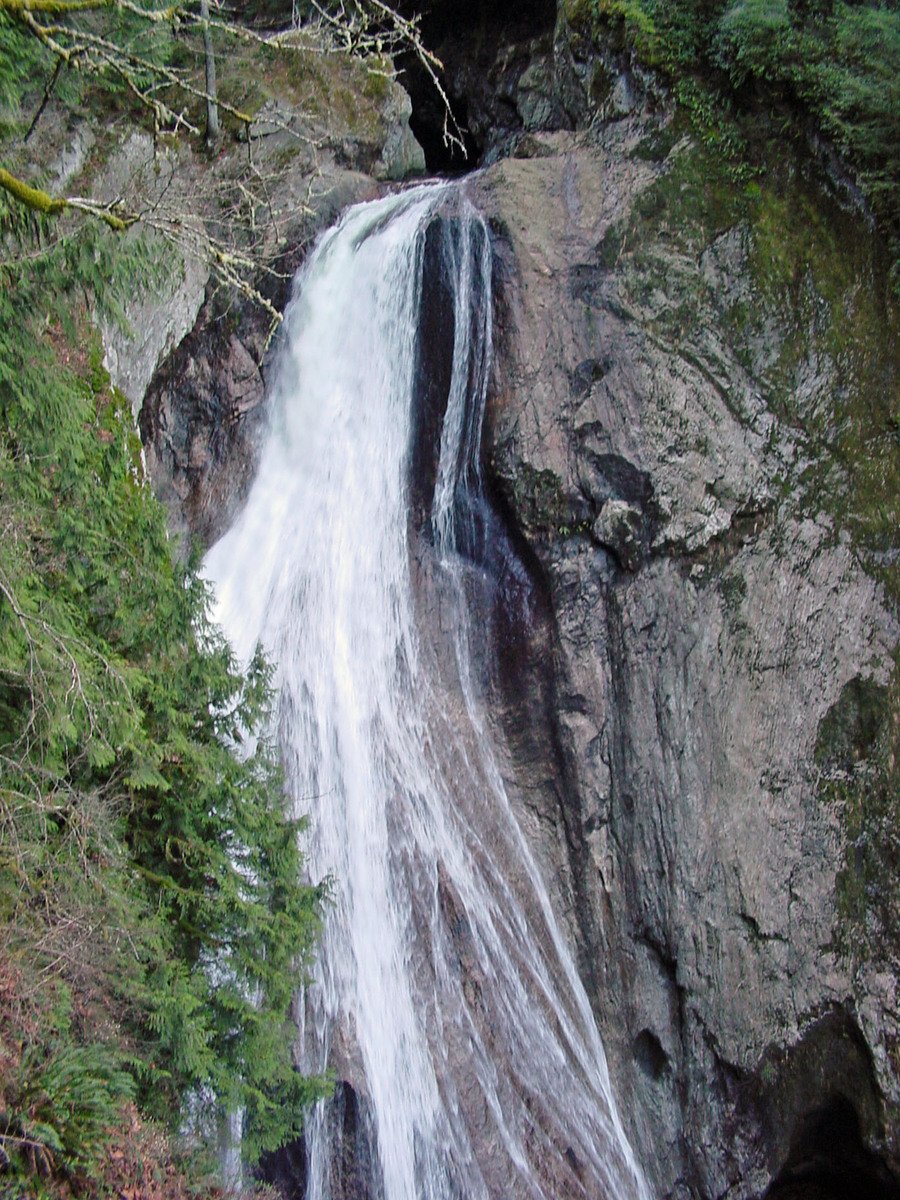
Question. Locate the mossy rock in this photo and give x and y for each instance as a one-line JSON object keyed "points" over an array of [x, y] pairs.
{"points": [[854, 725], [813, 318], [858, 746]]}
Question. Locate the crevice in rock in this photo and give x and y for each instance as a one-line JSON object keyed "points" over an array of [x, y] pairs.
{"points": [[353, 1171], [649, 1055], [433, 372], [286, 1170], [497, 72], [510, 590], [821, 1116]]}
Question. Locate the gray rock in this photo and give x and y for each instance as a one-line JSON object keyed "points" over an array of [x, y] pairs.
{"points": [[536, 100], [154, 326], [695, 861], [619, 527], [71, 159], [401, 155]]}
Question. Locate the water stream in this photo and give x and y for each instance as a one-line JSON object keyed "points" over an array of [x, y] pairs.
{"points": [[444, 995]]}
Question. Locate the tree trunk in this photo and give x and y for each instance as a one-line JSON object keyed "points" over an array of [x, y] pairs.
{"points": [[212, 108]]}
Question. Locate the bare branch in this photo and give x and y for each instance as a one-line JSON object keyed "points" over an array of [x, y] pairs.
{"points": [[238, 236]]}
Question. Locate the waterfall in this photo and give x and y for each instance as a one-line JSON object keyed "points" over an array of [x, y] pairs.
{"points": [[444, 994]]}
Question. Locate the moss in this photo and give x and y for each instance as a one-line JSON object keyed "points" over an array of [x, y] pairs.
{"points": [[377, 86], [859, 746], [825, 277], [341, 89], [579, 15], [733, 588], [812, 318], [544, 509], [854, 726], [658, 145]]}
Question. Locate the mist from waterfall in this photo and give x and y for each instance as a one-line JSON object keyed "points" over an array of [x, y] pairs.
{"points": [[444, 994]]}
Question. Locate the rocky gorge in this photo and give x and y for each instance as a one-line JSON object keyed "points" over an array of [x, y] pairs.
{"points": [[689, 442]]}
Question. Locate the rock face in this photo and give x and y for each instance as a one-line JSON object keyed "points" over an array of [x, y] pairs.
{"points": [[706, 619], [689, 436]]}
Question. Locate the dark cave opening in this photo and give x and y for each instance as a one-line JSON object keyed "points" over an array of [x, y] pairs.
{"points": [[828, 1160], [444, 155], [470, 37]]}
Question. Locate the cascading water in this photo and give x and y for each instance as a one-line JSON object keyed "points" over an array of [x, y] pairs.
{"points": [[444, 994]]}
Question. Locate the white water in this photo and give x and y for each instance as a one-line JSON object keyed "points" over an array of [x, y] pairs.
{"points": [[443, 992]]}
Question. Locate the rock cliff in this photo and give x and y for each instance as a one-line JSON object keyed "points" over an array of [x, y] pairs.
{"points": [[690, 436], [708, 614]]}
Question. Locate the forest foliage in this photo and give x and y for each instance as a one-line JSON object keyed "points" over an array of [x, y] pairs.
{"points": [[834, 63], [154, 922], [150, 881]]}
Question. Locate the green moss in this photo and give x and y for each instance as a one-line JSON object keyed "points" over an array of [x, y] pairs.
{"points": [[377, 84], [580, 15], [735, 68], [825, 278], [813, 319], [691, 202], [335, 87], [658, 145], [853, 727], [543, 508], [734, 591], [859, 747]]}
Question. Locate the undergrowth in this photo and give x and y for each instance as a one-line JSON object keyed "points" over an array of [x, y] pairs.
{"points": [[153, 922]]}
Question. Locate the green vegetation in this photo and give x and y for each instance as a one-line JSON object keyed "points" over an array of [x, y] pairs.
{"points": [[542, 506], [154, 923], [809, 291], [336, 88], [736, 63], [858, 751]]}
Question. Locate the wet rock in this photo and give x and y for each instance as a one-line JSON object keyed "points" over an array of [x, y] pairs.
{"points": [[695, 859]]}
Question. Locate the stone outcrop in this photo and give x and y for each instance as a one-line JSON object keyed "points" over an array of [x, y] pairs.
{"points": [[708, 614]]}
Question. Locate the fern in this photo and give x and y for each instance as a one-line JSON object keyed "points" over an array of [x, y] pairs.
{"points": [[61, 1110]]}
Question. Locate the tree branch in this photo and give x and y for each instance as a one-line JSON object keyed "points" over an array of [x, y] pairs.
{"points": [[42, 202]]}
